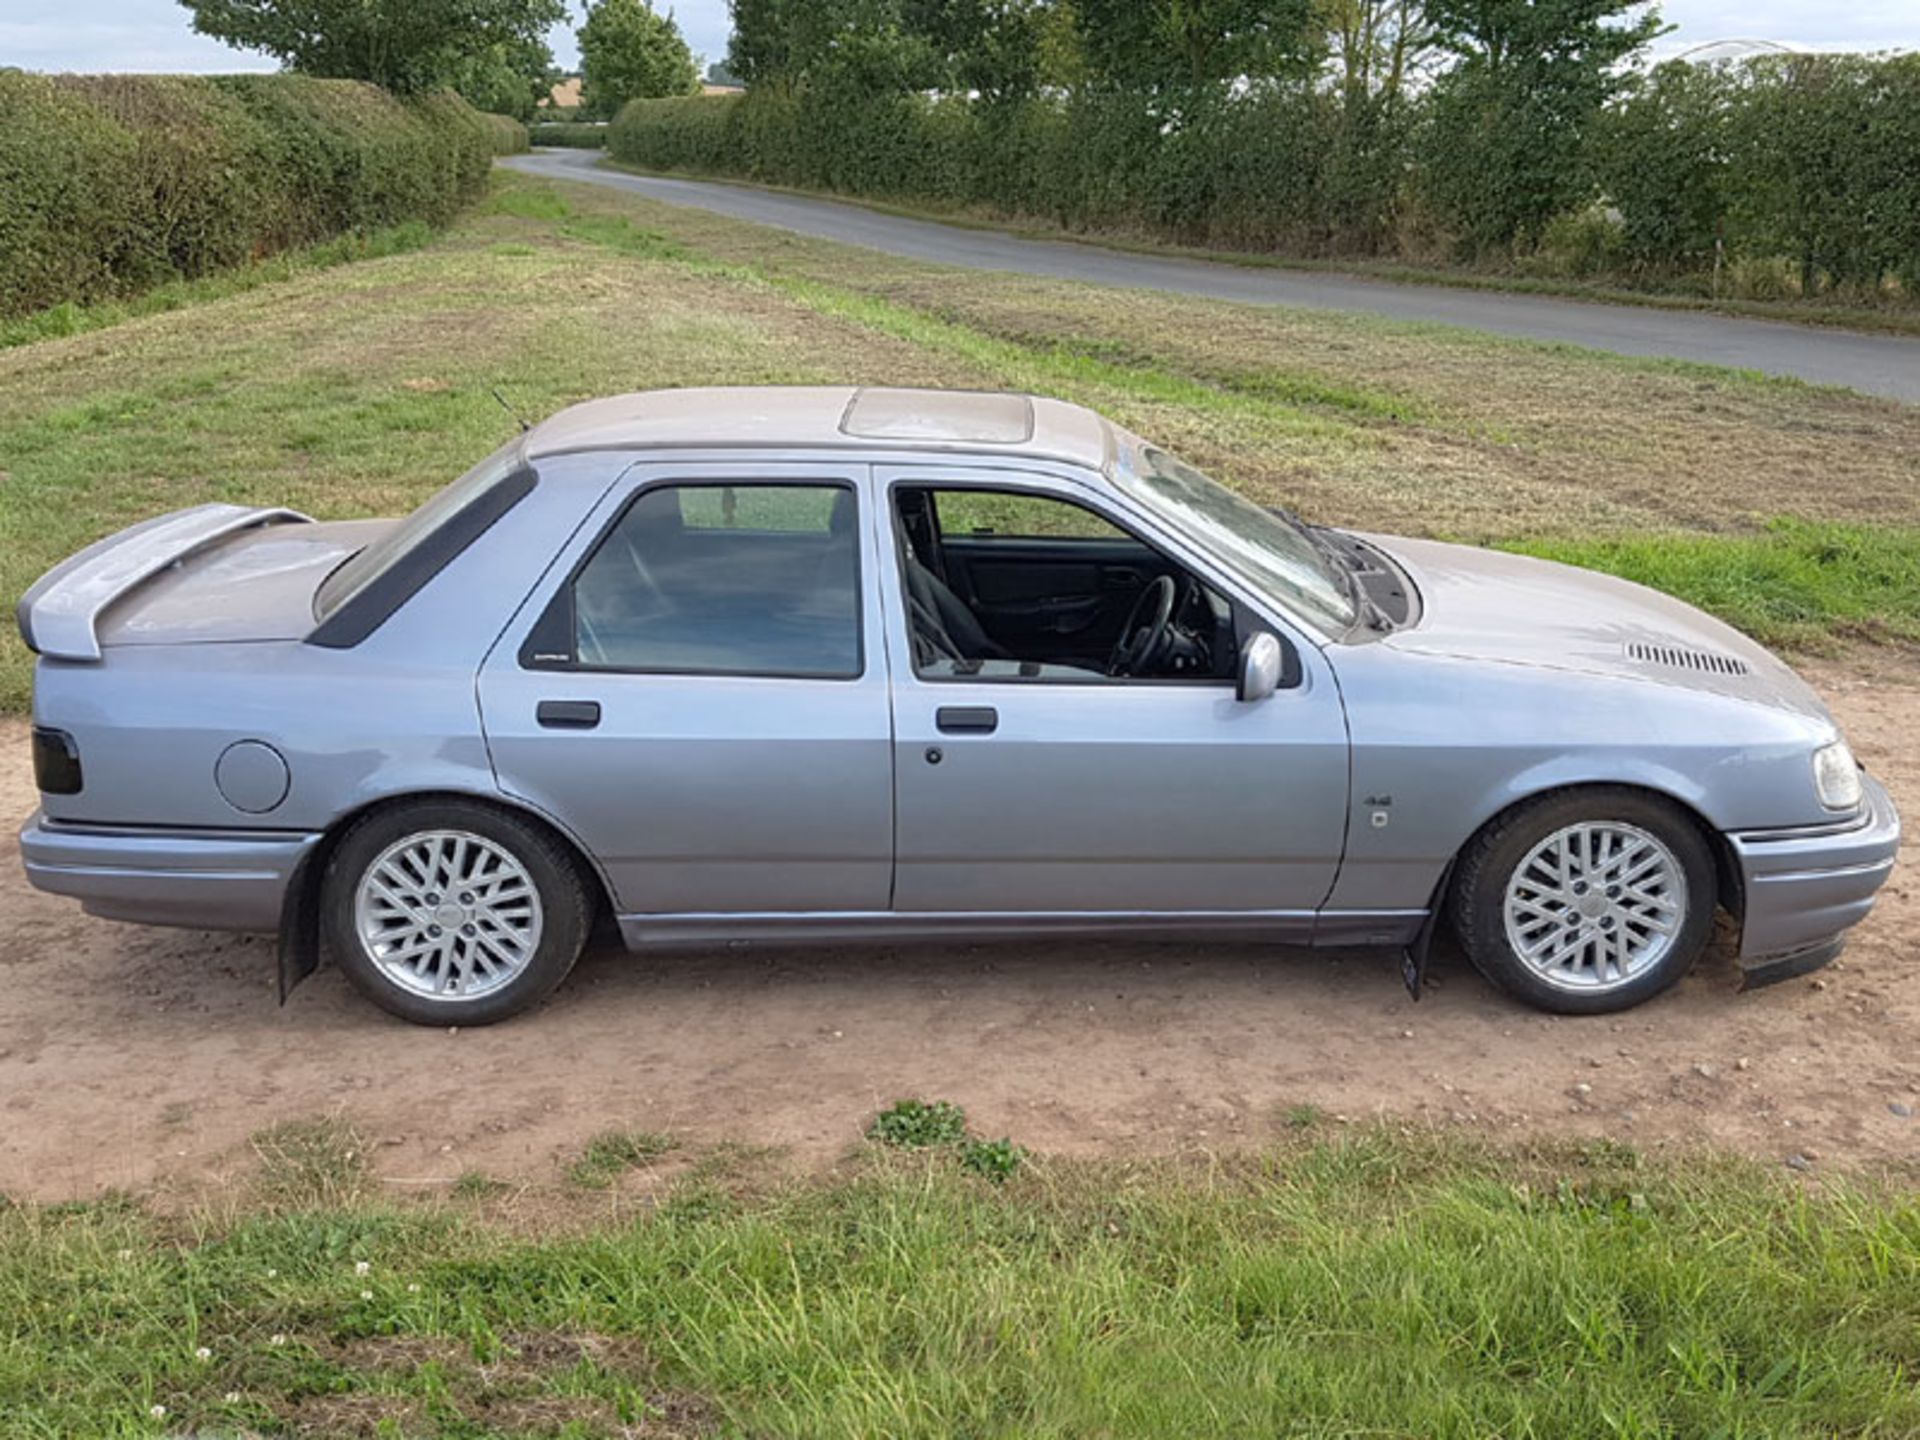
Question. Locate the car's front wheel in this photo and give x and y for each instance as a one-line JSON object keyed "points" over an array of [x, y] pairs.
{"points": [[1585, 902], [453, 912]]}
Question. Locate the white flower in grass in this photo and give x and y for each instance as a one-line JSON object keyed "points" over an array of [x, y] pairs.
{"points": [[158, 1412], [414, 1288], [361, 1267], [366, 1294], [277, 1339], [203, 1354], [232, 1397], [273, 1274]]}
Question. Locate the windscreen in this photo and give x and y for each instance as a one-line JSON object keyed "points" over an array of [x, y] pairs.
{"points": [[1267, 550]]}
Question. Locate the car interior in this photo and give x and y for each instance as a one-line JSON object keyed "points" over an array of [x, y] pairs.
{"points": [[723, 579], [1006, 584]]}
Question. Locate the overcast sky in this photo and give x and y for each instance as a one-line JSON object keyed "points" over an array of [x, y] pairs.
{"points": [[154, 34]]}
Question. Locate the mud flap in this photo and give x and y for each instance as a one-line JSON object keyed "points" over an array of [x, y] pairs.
{"points": [[300, 928], [1413, 959]]}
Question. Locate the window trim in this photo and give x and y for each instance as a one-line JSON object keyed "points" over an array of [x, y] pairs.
{"points": [[1247, 621], [558, 612]]}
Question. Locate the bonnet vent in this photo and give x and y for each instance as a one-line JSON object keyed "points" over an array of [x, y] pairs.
{"points": [[1678, 657]]}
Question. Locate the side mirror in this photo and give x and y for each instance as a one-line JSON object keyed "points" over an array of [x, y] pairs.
{"points": [[1261, 662]]}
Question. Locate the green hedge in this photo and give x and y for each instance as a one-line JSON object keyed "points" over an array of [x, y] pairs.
{"points": [[110, 184], [1263, 174], [1804, 171], [569, 136], [506, 134]]}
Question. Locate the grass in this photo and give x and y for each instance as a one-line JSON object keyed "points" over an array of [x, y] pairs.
{"points": [[349, 389], [71, 319], [310, 1163], [1797, 583], [610, 1155], [1375, 1284], [919, 1124]]}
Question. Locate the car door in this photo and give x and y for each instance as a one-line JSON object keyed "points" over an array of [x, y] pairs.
{"points": [[1049, 795], [699, 692]]}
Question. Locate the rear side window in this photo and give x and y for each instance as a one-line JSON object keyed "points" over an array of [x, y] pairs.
{"points": [[412, 551], [740, 579]]}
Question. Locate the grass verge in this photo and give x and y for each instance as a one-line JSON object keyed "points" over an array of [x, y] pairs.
{"points": [[1797, 584], [71, 319], [1374, 1284]]}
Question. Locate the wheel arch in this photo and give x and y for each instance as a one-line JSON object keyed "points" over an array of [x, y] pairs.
{"points": [[300, 951], [1727, 873]]}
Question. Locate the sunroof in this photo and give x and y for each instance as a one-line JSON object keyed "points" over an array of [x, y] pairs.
{"points": [[939, 415]]}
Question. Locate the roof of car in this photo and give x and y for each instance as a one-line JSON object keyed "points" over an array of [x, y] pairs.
{"points": [[835, 417]]}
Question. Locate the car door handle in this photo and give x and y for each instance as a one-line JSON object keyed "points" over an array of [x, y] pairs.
{"points": [[967, 719], [568, 714]]}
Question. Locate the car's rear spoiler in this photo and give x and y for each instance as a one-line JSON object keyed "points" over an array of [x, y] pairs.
{"points": [[58, 613]]}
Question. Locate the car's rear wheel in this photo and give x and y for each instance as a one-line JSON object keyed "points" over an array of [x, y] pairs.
{"points": [[453, 912], [1585, 902]]}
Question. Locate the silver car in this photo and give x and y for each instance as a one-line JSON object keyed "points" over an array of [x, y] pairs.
{"points": [[792, 665]]}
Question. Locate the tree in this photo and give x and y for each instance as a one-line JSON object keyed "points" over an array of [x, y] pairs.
{"points": [[1507, 139], [1376, 45], [405, 45], [1379, 49], [1661, 158], [1189, 52], [857, 47], [510, 77], [630, 52], [991, 48]]}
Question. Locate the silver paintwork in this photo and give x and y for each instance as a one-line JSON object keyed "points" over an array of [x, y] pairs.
{"points": [[1593, 906], [58, 613], [1260, 666], [1803, 888], [204, 878], [447, 914], [753, 806]]}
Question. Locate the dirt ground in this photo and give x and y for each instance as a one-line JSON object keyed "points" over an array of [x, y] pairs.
{"points": [[145, 1059]]}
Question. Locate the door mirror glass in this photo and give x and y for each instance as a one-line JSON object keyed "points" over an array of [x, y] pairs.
{"points": [[1261, 661]]}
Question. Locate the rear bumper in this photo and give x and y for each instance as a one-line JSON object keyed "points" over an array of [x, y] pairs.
{"points": [[202, 879], [1804, 888]]}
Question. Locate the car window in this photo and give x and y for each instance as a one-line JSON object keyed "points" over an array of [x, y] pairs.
{"points": [[970, 514], [1017, 586], [1269, 551], [725, 579]]}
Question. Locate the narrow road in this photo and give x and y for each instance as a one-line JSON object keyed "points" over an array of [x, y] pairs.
{"points": [[1885, 365]]}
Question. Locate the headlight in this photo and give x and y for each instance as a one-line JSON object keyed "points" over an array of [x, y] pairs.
{"points": [[1836, 774]]}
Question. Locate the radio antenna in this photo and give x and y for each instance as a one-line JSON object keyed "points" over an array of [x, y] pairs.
{"points": [[518, 418]]}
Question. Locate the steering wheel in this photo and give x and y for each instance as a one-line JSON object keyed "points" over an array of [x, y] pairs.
{"points": [[1145, 633]]}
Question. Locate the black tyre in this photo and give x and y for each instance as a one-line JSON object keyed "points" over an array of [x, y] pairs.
{"points": [[1586, 901], [453, 912]]}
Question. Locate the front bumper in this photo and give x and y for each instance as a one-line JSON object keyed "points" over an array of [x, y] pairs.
{"points": [[202, 879], [1804, 888]]}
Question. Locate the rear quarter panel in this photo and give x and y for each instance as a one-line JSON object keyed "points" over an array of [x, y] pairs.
{"points": [[395, 714]]}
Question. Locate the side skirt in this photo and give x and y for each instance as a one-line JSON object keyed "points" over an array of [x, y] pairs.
{"points": [[1274, 927]]}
